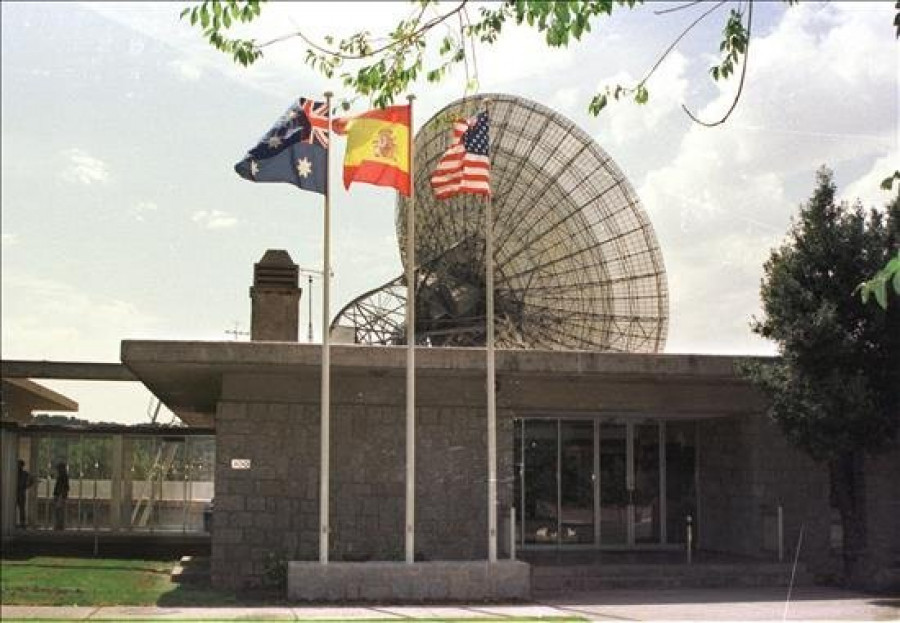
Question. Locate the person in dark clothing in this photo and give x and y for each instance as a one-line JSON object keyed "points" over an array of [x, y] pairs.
{"points": [[23, 482], [60, 494]]}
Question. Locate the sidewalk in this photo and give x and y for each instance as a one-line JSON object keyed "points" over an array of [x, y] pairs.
{"points": [[754, 604]]}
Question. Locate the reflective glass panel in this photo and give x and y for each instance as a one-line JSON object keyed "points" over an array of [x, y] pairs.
{"points": [[577, 482], [613, 485], [646, 483], [541, 501]]}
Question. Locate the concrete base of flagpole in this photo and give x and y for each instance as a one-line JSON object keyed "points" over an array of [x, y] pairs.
{"points": [[399, 582]]}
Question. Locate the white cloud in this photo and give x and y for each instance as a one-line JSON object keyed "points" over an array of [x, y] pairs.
{"points": [[187, 70], [867, 188], [629, 122], [567, 100], [141, 208], [46, 319], [521, 53], [83, 168], [214, 219], [316, 19], [726, 198]]}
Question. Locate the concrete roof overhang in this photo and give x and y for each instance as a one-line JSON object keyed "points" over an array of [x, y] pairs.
{"points": [[22, 396], [189, 377]]}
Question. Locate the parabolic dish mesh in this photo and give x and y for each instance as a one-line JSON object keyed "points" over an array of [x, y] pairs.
{"points": [[577, 265]]}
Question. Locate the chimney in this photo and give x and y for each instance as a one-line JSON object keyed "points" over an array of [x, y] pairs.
{"points": [[275, 298]]}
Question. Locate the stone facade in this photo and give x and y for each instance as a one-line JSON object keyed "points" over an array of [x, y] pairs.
{"points": [[271, 512], [264, 398], [746, 470], [397, 582], [883, 519]]}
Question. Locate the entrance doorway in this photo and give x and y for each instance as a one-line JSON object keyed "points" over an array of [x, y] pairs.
{"points": [[599, 483]]}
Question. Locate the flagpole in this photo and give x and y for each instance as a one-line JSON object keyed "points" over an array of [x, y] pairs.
{"points": [[411, 350], [325, 435], [491, 388]]}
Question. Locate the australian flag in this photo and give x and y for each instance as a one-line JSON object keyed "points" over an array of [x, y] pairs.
{"points": [[295, 150]]}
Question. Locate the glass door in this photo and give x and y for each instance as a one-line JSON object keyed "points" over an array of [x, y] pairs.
{"points": [[541, 485], [603, 484], [614, 493], [645, 496], [576, 482]]}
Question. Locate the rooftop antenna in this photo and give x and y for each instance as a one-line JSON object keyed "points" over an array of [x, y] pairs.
{"points": [[310, 274], [236, 332]]}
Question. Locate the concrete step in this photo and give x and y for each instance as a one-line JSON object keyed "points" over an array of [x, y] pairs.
{"points": [[582, 578], [191, 570]]}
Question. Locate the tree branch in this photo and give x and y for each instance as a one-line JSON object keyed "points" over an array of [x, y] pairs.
{"points": [[355, 57], [737, 96], [680, 7], [678, 39]]}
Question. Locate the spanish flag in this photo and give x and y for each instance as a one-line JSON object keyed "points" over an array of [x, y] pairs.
{"points": [[377, 147]]}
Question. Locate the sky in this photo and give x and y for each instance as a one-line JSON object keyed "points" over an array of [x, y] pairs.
{"points": [[122, 217]]}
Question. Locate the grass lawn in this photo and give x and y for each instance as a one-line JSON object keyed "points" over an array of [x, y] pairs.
{"points": [[49, 581], [60, 581]]}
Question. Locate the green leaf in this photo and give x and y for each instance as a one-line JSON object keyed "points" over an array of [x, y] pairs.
{"points": [[641, 94], [881, 292], [888, 182], [598, 103], [863, 292]]}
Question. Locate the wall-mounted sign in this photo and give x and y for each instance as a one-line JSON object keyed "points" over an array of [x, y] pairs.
{"points": [[240, 463]]}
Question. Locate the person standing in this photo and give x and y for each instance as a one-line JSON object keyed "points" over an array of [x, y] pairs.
{"points": [[60, 495], [24, 481]]}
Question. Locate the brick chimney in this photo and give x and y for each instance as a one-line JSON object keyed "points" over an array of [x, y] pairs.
{"points": [[275, 297]]}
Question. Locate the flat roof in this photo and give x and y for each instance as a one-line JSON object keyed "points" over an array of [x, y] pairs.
{"points": [[22, 396], [65, 370], [187, 376]]}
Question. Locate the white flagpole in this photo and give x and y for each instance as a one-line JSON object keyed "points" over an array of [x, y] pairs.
{"points": [[491, 393], [326, 362], [411, 351]]}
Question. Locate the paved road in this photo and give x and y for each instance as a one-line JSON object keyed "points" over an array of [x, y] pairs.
{"points": [[757, 604]]}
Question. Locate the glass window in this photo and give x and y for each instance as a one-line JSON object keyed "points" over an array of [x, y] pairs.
{"points": [[646, 483]]}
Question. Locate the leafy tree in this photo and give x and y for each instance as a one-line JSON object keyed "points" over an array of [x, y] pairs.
{"points": [[835, 389], [382, 68]]}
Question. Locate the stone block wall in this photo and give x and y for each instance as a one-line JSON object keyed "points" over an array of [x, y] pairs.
{"points": [[398, 582], [746, 469], [271, 510], [883, 519]]}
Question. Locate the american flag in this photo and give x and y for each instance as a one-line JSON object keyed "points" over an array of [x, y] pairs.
{"points": [[465, 166]]}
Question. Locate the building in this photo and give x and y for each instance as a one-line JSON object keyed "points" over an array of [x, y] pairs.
{"points": [[596, 452]]}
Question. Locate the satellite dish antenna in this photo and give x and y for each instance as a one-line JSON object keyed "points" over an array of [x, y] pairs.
{"points": [[578, 266]]}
